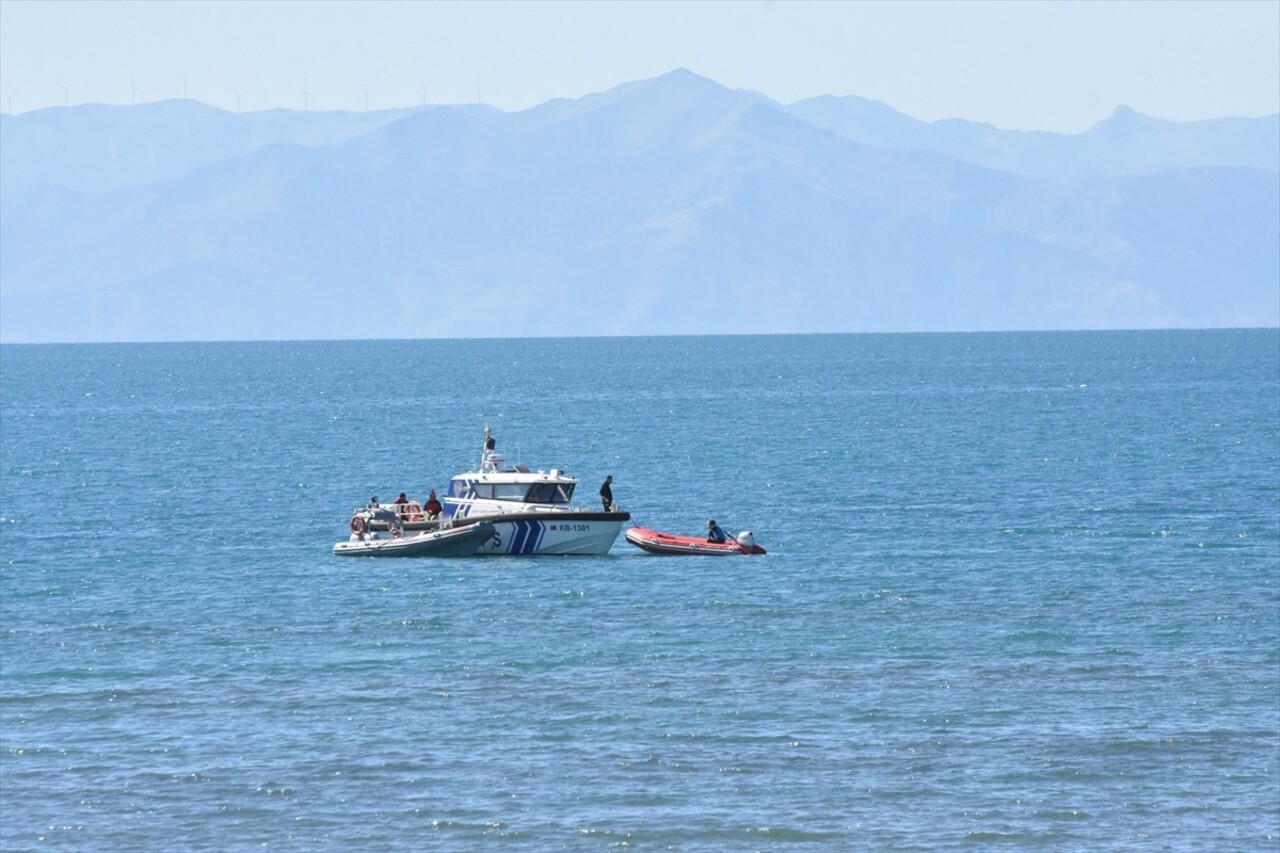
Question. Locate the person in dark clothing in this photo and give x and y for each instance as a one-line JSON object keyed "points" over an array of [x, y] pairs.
{"points": [[606, 493], [432, 506], [714, 533]]}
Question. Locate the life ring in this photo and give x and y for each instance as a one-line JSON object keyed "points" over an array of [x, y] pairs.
{"points": [[417, 516], [358, 525]]}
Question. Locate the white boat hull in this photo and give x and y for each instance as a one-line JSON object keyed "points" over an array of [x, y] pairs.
{"points": [[551, 537], [550, 533], [450, 542]]}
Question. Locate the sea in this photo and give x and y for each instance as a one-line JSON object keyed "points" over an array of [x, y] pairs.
{"points": [[1022, 592]]}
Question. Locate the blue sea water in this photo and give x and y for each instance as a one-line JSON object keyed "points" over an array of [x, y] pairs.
{"points": [[1022, 593]]}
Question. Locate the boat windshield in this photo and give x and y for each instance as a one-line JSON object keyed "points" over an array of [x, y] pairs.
{"points": [[549, 493]]}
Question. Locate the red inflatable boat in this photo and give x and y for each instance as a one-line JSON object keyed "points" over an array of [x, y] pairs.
{"points": [[657, 542]]}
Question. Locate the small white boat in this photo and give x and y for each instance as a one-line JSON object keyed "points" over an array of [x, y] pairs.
{"points": [[531, 511], [377, 532]]}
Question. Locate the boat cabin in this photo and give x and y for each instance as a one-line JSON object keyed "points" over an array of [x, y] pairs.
{"points": [[504, 487], [501, 488]]}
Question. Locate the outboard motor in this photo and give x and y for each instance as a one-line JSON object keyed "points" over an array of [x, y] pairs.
{"points": [[746, 540], [384, 520], [384, 514]]}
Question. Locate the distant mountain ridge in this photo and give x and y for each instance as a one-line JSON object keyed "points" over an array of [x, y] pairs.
{"points": [[664, 206], [1127, 143]]}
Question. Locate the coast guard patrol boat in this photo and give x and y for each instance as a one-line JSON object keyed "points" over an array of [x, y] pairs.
{"points": [[531, 511]]}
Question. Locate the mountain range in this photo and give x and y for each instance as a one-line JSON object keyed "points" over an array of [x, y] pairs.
{"points": [[666, 206]]}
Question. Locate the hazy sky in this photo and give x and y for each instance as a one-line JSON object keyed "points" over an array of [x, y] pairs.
{"points": [[1020, 65]]}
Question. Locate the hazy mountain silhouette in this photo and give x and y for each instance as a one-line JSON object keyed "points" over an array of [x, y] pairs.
{"points": [[671, 205], [1127, 143]]}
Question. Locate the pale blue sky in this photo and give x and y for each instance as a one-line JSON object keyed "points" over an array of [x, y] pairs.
{"points": [[1058, 66]]}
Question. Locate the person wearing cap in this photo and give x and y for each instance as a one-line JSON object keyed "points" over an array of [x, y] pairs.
{"points": [[714, 533], [606, 493], [432, 506]]}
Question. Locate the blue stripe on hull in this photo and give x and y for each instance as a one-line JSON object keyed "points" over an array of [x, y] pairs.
{"points": [[519, 532], [526, 538]]}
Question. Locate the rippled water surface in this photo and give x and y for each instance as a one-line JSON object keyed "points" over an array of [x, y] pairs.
{"points": [[1022, 593]]}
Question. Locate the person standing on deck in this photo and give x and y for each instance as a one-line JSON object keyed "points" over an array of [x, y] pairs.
{"points": [[606, 493]]}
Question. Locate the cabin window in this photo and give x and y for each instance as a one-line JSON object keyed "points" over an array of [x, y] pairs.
{"points": [[508, 492], [466, 491], [543, 493], [549, 493]]}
